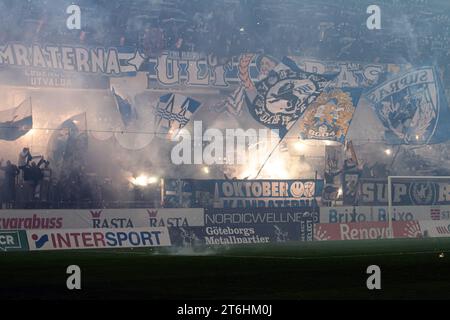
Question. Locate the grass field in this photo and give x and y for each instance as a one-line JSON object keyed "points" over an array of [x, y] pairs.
{"points": [[410, 269]]}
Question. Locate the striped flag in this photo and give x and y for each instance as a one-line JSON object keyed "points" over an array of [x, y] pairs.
{"points": [[173, 112], [16, 122]]}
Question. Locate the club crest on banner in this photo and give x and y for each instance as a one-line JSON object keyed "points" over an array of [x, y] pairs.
{"points": [[283, 96], [411, 108], [423, 193], [329, 117]]}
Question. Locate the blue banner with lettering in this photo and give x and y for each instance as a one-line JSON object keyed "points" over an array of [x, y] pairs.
{"points": [[404, 192], [242, 193], [243, 226], [413, 108]]}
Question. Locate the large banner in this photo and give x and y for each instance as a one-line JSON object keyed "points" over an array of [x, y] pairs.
{"points": [[55, 58], [329, 117], [349, 74], [70, 239], [412, 107], [192, 69], [100, 218], [284, 95], [348, 214], [242, 193], [406, 192], [46, 64], [49, 65], [266, 193]]}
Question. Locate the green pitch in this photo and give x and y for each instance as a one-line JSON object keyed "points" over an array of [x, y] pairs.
{"points": [[410, 268]]}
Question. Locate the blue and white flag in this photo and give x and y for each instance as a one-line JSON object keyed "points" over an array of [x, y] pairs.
{"points": [[284, 95], [16, 122], [125, 109], [412, 107], [173, 112]]}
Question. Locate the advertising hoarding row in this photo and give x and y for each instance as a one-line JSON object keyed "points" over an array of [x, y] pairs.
{"points": [[194, 217], [70, 239], [116, 228]]}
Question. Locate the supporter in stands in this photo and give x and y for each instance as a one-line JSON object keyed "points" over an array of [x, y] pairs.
{"points": [[349, 165], [379, 170], [46, 182], [330, 175], [330, 191], [366, 172], [9, 183], [153, 41], [24, 158], [36, 177]]}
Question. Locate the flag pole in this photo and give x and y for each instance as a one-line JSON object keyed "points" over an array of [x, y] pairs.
{"points": [[270, 154], [32, 133], [86, 128], [86, 123]]}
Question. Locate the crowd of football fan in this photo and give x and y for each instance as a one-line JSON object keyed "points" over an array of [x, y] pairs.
{"points": [[32, 183], [30, 177], [413, 31]]}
